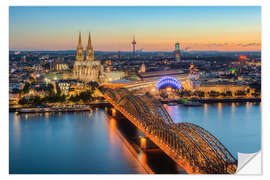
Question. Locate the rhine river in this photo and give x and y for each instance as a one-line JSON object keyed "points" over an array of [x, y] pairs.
{"points": [[91, 142]]}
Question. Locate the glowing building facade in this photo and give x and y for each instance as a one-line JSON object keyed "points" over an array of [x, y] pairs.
{"points": [[142, 69], [87, 68]]}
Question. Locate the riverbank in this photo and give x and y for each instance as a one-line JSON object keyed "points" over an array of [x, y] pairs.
{"points": [[53, 109], [74, 108], [232, 100], [59, 108], [213, 100]]}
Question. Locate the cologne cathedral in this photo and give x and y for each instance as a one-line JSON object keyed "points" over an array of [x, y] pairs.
{"points": [[86, 68]]}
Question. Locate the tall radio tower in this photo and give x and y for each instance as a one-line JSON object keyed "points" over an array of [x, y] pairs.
{"points": [[133, 45]]}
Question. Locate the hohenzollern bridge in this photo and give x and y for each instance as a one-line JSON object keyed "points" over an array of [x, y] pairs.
{"points": [[192, 147]]}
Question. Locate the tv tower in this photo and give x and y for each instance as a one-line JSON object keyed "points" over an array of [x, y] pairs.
{"points": [[133, 45]]}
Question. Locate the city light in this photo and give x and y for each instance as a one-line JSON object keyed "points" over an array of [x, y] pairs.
{"points": [[169, 89], [143, 142], [242, 57], [169, 81], [113, 112]]}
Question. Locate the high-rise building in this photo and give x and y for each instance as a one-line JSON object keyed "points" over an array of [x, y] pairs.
{"points": [[119, 55], [134, 46], [177, 52]]}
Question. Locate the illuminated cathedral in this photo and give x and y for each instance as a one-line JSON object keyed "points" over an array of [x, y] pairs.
{"points": [[86, 68]]}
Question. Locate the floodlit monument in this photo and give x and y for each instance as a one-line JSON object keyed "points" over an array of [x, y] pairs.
{"points": [[86, 68]]}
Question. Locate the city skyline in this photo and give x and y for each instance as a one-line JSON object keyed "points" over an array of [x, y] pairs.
{"points": [[155, 28]]}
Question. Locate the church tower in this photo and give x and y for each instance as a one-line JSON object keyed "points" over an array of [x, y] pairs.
{"points": [[79, 52], [89, 50]]}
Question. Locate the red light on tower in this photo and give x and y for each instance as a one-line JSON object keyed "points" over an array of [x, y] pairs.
{"points": [[242, 57], [133, 45]]}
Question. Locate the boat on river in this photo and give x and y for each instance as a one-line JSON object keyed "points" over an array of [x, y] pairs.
{"points": [[172, 103], [192, 103]]}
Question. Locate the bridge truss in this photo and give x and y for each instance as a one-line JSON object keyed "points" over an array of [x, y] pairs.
{"points": [[192, 147]]}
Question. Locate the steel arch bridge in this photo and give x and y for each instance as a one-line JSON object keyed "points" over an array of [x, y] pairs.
{"points": [[192, 147]]}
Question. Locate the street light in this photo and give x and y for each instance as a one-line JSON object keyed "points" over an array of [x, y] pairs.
{"points": [[168, 89]]}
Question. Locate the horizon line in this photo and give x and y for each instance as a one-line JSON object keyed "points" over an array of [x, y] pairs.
{"points": [[144, 51]]}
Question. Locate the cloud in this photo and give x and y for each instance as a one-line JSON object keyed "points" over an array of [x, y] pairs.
{"points": [[233, 44], [217, 44], [187, 48], [249, 44]]}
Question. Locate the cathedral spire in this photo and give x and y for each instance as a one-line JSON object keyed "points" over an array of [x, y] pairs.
{"points": [[79, 51], [80, 40], [89, 41], [89, 50]]}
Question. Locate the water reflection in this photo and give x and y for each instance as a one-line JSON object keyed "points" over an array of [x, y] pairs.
{"points": [[205, 112], [233, 108], [248, 106], [92, 142], [238, 126], [113, 112], [143, 159], [112, 123], [69, 143], [17, 128], [169, 109], [219, 110], [90, 113]]}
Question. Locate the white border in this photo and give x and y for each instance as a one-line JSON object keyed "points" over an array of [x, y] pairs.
{"points": [[136, 2], [4, 76]]}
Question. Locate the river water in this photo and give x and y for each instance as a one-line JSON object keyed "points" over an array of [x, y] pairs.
{"points": [[92, 142]]}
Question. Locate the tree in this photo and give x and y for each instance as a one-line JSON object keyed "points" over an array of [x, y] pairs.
{"points": [[256, 94], [31, 79], [26, 88], [199, 93], [85, 96], [214, 94], [58, 90], [49, 88], [93, 84], [223, 94], [185, 93], [164, 95], [36, 101], [22, 101], [240, 93], [229, 93], [74, 98]]}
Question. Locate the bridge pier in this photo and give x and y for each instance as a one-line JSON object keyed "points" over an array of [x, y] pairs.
{"points": [[114, 112], [147, 144]]}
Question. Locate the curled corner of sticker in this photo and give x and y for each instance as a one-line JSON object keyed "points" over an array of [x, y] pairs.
{"points": [[249, 163]]}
